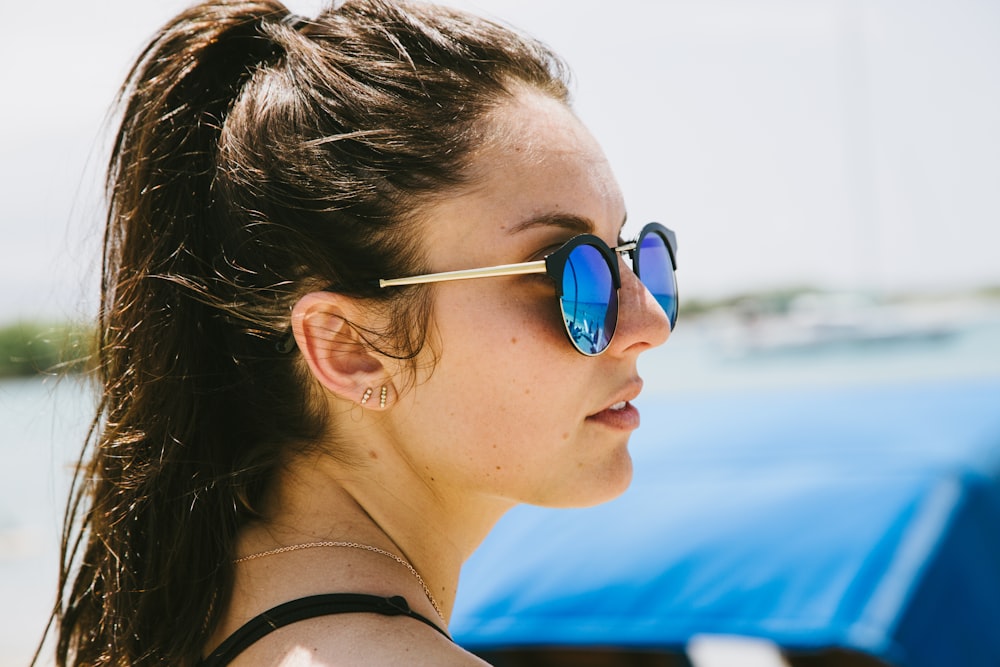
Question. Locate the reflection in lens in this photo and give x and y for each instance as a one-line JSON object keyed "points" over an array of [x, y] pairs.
{"points": [[589, 300], [656, 271]]}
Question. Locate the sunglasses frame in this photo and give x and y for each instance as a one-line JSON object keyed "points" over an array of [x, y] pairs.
{"points": [[670, 240], [653, 228], [553, 265]]}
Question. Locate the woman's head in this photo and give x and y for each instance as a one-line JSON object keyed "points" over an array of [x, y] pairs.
{"points": [[511, 411], [260, 157]]}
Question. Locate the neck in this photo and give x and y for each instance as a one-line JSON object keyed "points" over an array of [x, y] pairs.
{"points": [[323, 500]]}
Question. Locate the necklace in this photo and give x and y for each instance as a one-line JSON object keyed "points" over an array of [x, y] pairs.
{"points": [[352, 545]]}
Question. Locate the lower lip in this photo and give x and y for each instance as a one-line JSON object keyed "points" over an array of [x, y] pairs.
{"points": [[626, 419]]}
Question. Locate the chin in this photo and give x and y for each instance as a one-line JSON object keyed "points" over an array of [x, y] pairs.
{"points": [[596, 485]]}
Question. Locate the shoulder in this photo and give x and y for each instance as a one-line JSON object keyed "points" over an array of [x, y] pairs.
{"points": [[362, 640]]}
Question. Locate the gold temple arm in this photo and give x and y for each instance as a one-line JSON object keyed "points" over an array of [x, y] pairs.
{"points": [[520, 269], [464, 274]]}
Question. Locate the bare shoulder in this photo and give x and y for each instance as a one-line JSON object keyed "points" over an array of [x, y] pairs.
{"points": [[361, 640]]}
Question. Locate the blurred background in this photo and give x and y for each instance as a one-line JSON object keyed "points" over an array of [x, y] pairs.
{"points": [[840, 144], [831, 168]]}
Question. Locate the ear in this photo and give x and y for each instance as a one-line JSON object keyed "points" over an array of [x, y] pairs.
{"points": [[336, 353]]}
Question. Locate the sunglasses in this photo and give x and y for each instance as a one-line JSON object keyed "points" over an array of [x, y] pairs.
{"points": [[587, 279]]}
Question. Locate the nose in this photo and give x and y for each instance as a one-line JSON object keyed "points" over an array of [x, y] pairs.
{"points": [[642, 324]]}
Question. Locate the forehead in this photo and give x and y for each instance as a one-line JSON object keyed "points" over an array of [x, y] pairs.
{"points": [[537, 161]]}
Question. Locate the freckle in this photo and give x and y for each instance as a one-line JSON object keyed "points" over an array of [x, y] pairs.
{"points": [[513, 341], [373, 454], [498, 467], [565, 436], [527, 391]]}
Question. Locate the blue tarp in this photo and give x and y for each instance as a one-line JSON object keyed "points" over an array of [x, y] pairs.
{"points": [[859, 518]]}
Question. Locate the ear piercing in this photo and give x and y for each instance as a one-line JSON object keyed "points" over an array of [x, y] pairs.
{"points": [[383, 394]]}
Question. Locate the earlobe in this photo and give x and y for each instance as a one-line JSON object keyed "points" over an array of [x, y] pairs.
{"points": [[383, 396], [335, 351]]}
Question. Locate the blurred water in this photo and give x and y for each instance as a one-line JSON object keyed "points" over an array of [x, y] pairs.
{"points": [[43, 423], [700, 357]]}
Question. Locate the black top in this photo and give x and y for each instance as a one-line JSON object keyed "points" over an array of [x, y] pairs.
{"points": [[304, 608]]}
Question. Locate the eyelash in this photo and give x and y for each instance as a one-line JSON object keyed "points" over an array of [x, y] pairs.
{"points": [[540, 279], [542, 254], [557, 243]]}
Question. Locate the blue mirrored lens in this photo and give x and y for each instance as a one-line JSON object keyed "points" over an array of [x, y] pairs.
{"points": [[656, 271], [589, 300]]}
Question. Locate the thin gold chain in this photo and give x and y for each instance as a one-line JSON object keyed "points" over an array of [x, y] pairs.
{"points": [[352, 545]]}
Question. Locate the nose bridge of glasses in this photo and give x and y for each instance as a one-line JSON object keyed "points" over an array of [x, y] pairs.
{"points": [[627, 249]]}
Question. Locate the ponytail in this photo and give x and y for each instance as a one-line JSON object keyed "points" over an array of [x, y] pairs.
{"points": [[162, 519], [259, 157]]}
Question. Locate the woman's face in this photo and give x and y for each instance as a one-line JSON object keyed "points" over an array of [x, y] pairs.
{"points": [[511, 410]]}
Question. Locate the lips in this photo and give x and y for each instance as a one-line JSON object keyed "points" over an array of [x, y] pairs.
{"points": [[620, 414], [625, 418], [620, 399]]}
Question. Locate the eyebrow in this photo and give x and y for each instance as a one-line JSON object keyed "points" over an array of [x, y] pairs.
{"points": [[573, 223]]}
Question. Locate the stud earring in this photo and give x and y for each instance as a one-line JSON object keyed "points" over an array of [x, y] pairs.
{"points": [[382, 395], [367, 395]]}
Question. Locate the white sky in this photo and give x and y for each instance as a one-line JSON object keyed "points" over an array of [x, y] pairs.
{"points": [[840, 143]]}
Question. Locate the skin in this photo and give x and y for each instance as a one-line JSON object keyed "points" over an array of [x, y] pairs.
{"points": [[502, 411]]}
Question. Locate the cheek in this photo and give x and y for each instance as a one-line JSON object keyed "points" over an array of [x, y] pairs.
{"points": [[507, 322], [503, 357], [504, 362]]}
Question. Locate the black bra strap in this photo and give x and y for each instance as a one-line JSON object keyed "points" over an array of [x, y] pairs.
{"points": [[304, 608]]}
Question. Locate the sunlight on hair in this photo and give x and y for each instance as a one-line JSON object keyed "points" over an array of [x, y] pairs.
{"points": [[310, 8]]}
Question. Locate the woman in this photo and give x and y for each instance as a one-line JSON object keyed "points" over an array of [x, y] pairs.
{"points": [[297, 407]]}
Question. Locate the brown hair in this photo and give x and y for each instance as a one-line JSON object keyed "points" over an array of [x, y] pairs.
{"points": [[260, 156]]}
